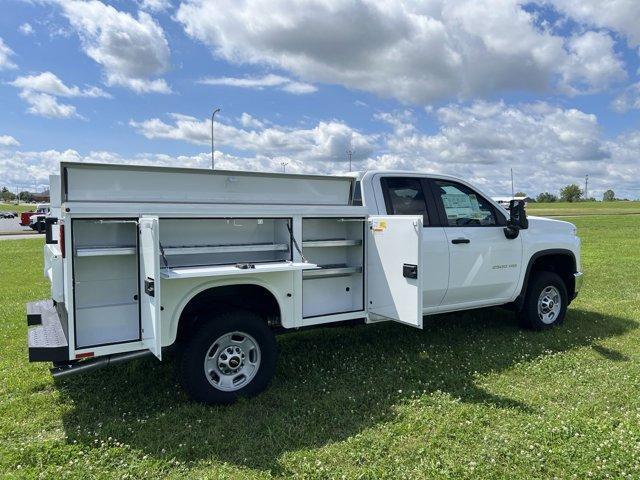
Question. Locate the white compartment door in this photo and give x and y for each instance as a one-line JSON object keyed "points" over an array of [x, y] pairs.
{"points": [[394, 270], [150, 284]]}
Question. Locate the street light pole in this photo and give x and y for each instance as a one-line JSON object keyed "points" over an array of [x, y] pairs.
{"points": [[513, 195], [213, 161]]}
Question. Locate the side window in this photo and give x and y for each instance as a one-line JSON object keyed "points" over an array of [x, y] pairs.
{"points": [[357, 194], [404, 196], [463, 206]]}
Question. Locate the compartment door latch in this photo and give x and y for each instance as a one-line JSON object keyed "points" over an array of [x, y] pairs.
{"points": [[150, 287], [409, 270]]}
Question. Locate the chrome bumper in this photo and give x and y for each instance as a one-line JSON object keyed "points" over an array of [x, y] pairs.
{"points": [[578, 280]]}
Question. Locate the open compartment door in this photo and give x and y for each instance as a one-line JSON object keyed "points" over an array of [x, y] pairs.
{"points": [[394, 270], [150, 284]]}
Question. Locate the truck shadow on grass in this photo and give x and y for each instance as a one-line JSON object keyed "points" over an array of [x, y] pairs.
{"points": [[330, 384]]}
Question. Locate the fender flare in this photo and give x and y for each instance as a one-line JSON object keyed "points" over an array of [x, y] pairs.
{"points": [[519, 301], [210, 285]]}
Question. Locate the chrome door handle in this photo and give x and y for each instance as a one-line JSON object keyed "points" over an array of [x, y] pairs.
{"points": [[456, 241]]}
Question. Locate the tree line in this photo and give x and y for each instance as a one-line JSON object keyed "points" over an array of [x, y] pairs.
{"points": [[573, 193], [7, 196]]}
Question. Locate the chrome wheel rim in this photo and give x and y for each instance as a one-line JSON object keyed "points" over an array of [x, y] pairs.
{"points": [[549, 304], [232, 361]]}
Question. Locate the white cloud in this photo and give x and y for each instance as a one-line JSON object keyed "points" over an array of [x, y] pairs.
{"points": [[249, 121], [592, 65], [8, 141], [155, 5], [29, 167], [326, 142], [45, 105], [413, 51], [547, 147], [623, 16], [132, 51], [5, 56], [629, 99], [26, 29], [40, 92], [47, 82], [258, 83]]}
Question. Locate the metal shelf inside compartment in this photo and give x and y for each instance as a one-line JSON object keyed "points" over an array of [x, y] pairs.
{"points": [[251, 247], [104, 251], [339, 242], [338, 270]]}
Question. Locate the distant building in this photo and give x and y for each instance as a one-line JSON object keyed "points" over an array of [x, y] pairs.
{"points": [[41, 197]]}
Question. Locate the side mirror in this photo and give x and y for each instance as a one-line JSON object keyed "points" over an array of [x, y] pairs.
{"points": [[517, 219]]}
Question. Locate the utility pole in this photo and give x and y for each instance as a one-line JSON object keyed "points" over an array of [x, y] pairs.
{"points": [[512, 190], [284, 166], [213, 161], [349, 154], [586, 187]]}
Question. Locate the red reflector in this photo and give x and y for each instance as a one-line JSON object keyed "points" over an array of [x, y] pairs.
{"points": [[84, 355], [61, 239]]}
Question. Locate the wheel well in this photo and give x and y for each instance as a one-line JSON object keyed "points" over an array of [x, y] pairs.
{"points": [[254, 298], [564, 264]]}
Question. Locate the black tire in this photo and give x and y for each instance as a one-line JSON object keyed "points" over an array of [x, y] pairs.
{"points": [[530, 317], [191, 370]]}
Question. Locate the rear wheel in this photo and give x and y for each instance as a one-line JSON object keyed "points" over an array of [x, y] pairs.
{"points": [[230, 356], [546, 301]]}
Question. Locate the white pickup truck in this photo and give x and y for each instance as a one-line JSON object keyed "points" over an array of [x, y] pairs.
{"points": [[217, 262]]}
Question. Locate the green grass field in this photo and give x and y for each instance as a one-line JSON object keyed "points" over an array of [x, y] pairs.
{"points": [[584, 208], [12, 207], [470, 396]]}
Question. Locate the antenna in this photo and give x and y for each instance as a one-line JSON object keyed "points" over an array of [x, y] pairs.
{"points": [[213, 161], [349, 154], [586, 187]]}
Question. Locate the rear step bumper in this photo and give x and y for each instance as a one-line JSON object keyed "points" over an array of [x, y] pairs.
{"points": [[47, 335]]}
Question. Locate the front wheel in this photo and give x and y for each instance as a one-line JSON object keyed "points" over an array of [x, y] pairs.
{"points": [[546, 302], [232, 355]]}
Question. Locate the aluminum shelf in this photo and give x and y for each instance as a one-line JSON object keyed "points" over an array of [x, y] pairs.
{"points": [[331, 243], [104, 251], [331, 271], [254, 247], [213, 271]]}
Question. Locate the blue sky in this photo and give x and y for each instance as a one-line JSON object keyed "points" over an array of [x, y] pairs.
{"points": [[470, 88]]}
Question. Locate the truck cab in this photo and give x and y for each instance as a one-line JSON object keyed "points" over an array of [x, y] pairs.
{"points": [[464, 241]]}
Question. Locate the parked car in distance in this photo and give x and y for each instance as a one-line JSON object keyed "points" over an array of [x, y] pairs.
{"points": [[36, 220]]}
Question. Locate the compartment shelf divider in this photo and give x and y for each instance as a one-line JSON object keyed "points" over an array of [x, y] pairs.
{"points": [[331, 271], [331, 243], [261, 247], [104, 251]]}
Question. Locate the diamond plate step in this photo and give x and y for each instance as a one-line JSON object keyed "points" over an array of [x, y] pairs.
{"points": [[47, 339]]}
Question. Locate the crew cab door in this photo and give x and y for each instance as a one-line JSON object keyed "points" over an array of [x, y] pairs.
{"points": [[484, 264], [394, 273], [148, 228]]}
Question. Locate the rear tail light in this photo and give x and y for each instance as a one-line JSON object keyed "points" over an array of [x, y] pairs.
{"points": [[61, 239]]}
